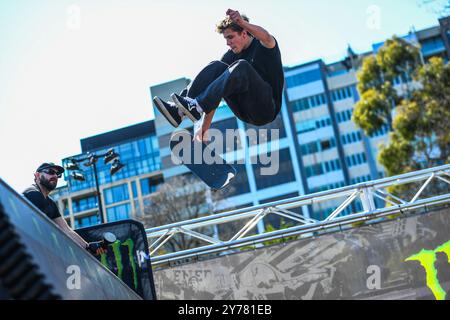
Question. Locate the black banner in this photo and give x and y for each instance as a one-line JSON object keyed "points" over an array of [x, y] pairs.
{"points": [[403, 258], [128, 257], [39, 261]]}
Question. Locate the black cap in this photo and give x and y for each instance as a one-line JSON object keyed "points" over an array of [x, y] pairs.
{"points": [[48, 165]]}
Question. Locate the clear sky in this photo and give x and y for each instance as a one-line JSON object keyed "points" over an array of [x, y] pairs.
{"points": [[73, 69]]}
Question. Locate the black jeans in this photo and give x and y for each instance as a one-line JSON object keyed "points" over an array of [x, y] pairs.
{"points": [[246, 93]]}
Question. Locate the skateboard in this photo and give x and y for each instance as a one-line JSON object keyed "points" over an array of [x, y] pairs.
{"points": [[201, 160]]}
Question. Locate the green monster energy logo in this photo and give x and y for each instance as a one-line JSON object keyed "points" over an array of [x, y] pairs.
{"points": [[427, 259], [118, 259]]}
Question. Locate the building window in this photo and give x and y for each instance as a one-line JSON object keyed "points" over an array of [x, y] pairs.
{"points": [[326, 187], [305, 126], [342, 93], [84, 204], [313, 124], [134, 189], [116, 194], [284, 174], [86, 221], [309, 102], [120, 212], [150, 185], [360, 179], [66, 211], [355, 159], [351, 137], [139, 157], [344, 116], [432, 46], [314, 170], [277, 124], [303, 78]]}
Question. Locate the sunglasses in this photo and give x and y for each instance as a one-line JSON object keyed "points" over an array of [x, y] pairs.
{"points": [[52, 172]]}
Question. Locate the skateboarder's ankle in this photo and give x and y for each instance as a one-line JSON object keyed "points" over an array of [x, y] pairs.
{"points": [[198, 106]]}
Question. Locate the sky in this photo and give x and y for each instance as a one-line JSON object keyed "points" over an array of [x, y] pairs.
{"points": [[73, 69]]}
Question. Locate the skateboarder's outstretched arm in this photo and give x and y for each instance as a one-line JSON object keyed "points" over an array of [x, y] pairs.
{"points": [[266, 39], [201, 134]]}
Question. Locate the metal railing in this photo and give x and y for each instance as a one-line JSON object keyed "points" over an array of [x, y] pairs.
{"points": [[366, 192]]}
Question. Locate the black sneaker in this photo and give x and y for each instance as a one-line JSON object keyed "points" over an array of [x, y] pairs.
{"points": [[188, 106], [169, 110]]}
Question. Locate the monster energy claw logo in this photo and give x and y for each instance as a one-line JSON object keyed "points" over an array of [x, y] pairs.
{"points": [[116, 246], [427, 259]]}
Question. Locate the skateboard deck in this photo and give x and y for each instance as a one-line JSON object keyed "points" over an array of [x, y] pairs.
{"points": [[201, 160]]}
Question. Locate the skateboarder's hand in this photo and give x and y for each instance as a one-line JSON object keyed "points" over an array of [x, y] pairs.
{"points": [[201, 135], [235, 16]]}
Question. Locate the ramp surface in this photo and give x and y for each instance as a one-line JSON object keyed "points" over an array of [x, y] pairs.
{"points": [[402, 258], [38, 261]]}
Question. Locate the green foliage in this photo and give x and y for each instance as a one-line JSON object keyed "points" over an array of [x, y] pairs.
{"points": [[283, 225], [420, 136], [394, 157], [270, 228], [372, 111], [375, 83]]}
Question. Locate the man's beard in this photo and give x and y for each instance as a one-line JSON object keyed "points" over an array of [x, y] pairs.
{"points": [[49, 185]]}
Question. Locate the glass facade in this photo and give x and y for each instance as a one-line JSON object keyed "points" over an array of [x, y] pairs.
{"points": [[344, 116], [84, 204], [342, 93], [277, 124], [283, 175], [150, 185], [313, 124], [356, 159], [86, 221], [309, 102], [432, 46], [120, 212], [303, 78], [116, 194], [351, 137], [139, 157], [317, 146]]}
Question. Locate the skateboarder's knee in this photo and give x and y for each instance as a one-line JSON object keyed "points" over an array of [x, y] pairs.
{"points": [[218, 64], [243, 63]]}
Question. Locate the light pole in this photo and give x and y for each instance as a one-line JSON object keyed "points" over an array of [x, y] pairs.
{"points": [[91, 158]]}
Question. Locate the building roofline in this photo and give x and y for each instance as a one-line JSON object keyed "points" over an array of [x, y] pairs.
{"points": [[117, 136]]}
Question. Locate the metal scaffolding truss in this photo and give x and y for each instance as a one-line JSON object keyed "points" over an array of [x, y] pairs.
{"points": [[366, 192]]}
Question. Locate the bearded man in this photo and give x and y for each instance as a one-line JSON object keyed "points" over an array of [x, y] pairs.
{"points": [[46, 180]]}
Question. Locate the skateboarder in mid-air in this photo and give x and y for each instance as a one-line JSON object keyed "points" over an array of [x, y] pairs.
{"points": [[249, 78]]}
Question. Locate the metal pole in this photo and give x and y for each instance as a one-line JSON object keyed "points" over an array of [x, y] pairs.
{"points": [[99, 198]]}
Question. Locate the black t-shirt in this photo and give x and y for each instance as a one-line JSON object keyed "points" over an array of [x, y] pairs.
{"points": [[267, 62], [46, 205]]}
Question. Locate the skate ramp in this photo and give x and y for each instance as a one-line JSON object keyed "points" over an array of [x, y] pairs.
{"points": [[38, 261], [405, 257]]}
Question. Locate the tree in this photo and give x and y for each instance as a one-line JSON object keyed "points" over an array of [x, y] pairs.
{"points": [[420, 135], [179, 199], [395, 60]]}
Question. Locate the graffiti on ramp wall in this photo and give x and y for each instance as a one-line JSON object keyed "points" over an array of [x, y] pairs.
{"points": [[406, 258]]}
